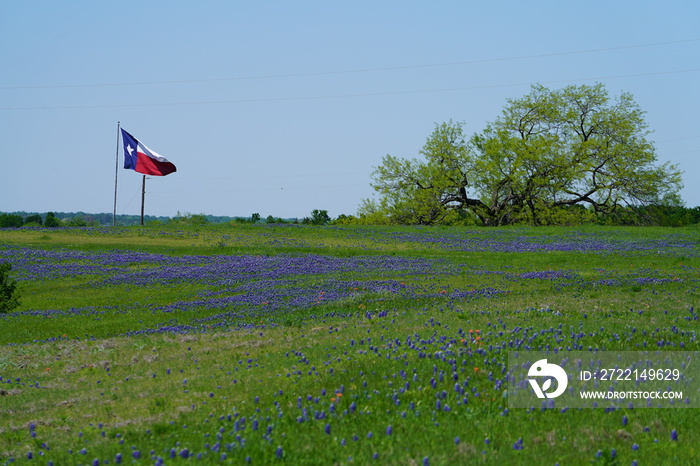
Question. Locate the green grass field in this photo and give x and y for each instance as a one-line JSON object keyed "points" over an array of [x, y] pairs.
{"points": [[227, 344]]}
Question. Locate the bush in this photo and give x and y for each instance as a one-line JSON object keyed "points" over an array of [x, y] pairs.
{"points": [[346, 220], [8, 297], [77, 222], [33, 220], [10, 221], [51, 221], [188, 219], [319, 217]]}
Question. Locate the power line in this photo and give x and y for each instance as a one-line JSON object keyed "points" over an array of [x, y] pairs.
{"points": [[337, 96], [362, 70], [681, 153], [679, 139], [269, 176], [296, 188]]}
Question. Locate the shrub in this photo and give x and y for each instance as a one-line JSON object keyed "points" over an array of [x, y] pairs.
{"points": [[77, 222], [51, 221], [346, 220], [10, 221], [8, 298], [188, 219], [320, 217], [33, 220]]}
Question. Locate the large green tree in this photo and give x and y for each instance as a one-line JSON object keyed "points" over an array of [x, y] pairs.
{"points": [[553, 156]]}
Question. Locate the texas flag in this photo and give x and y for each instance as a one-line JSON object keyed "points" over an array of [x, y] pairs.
{"points": [[142, 159]]}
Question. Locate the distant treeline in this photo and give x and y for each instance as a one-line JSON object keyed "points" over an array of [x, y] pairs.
{"points": [[673, 216], [69, 219], [82, 219]]}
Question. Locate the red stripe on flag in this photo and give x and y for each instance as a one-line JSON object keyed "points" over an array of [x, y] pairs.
{"points": [[149, 166]]}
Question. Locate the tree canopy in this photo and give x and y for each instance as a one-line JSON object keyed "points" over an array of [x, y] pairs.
{"points": [[552, 156]]}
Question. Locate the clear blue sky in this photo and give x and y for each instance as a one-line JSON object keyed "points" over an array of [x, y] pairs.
{"points": [[283, 107]]}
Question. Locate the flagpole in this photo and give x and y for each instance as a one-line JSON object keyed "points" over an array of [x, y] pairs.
{"points": [[116, 173], [143, 197]]}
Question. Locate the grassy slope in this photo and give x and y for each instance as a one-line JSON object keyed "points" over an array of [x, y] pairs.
{"points": [[135, 386]]}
